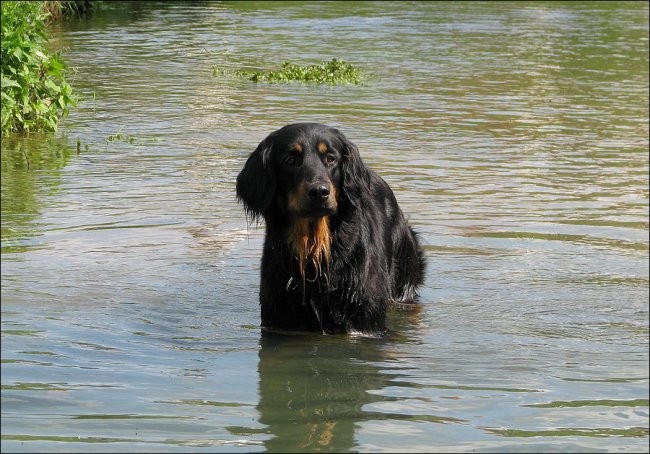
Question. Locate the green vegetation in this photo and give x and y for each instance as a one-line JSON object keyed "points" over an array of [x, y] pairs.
{"points": [[122, 137], [118, 136], [34, 92], [58, 10], [333, 72]]}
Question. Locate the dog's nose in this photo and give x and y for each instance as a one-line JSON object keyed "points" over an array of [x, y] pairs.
{"points": [[319, 192]]}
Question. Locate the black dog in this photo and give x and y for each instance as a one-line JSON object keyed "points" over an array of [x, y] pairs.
{"points": [[337, 249]]}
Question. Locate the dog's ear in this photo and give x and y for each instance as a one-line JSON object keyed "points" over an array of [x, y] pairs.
{"points": [[256, 181], [354, 173]]}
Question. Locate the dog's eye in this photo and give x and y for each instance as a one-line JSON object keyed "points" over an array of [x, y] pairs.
{"points": [[330, 159], [290, 161]]}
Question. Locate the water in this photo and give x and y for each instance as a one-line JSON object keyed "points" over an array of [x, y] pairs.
{"points": [[515, 136]]}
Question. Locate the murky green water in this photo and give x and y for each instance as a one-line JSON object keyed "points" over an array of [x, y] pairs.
{"points": [[515, 136]]}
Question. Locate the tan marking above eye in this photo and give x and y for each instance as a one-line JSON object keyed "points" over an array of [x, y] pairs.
{"points": [[322, 147], [297, 148]]}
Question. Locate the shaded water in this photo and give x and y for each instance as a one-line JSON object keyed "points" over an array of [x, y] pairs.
{"points": [[515, 136]]}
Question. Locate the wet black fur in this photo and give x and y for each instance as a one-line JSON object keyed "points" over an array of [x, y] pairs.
{"points": [[375, 256]]}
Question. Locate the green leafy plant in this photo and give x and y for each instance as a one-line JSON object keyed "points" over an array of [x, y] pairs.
{"points": [[333, 72], [34, 92]]}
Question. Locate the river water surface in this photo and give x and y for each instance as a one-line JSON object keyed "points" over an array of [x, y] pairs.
{"points": [[515, 137]]}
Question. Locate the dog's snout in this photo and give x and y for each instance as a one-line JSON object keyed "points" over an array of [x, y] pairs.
{"points": [[319, 192]]}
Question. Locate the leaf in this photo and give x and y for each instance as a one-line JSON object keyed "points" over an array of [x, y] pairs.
{"points": [[56, 66], [7, 82], [52, 86]]}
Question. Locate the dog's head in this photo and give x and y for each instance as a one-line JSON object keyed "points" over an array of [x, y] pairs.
{"points": [[302, 170]]}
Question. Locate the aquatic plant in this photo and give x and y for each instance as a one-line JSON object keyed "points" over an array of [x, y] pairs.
{"points": [[122, 137], [34, 92], [119, 137], [333, 72]]}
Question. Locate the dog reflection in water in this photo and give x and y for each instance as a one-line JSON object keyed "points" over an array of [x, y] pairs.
{"points": [[312, 390]]}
